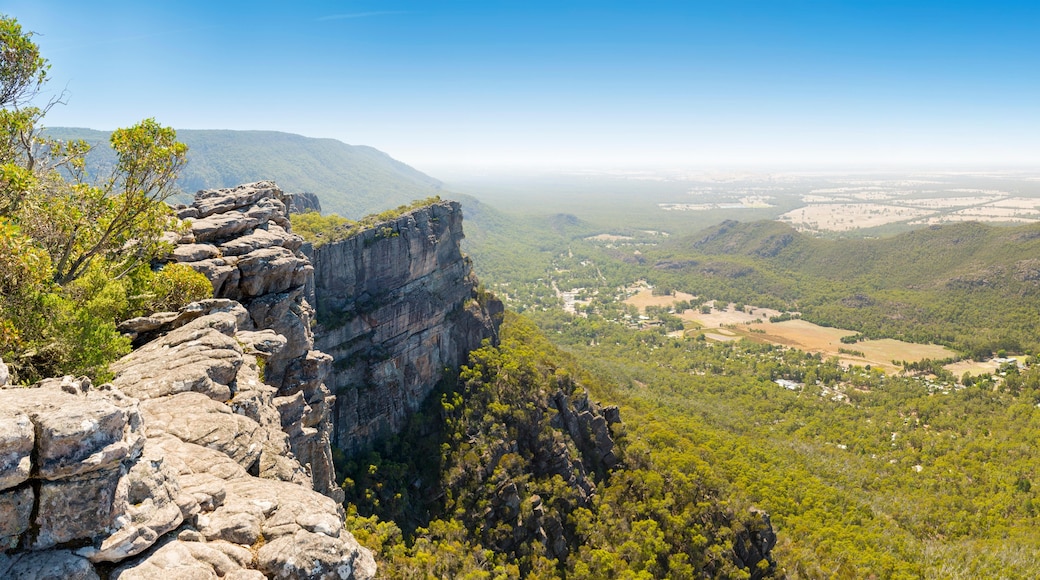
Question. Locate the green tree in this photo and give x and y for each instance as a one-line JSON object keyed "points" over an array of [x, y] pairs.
{"points": [[75, 248]]}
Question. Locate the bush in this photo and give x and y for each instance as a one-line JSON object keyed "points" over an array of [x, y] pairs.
{"points": [[167, 289]]}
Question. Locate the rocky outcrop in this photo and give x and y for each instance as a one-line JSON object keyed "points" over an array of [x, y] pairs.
{"points": [[303, 203], [179, 468], [397, 305], [754, 544], [240, 238]]}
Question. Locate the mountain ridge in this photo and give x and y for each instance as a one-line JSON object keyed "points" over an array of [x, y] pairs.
{"points": [[351, 180]]}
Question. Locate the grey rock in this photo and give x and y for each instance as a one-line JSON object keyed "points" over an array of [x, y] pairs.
{"points": [[192, 459], [222, 226], [48, 565], [176, 559], [77, 508], [15, 515], [259, 239], [211, 201], [201, 356], [311, 555], [17, 437], [195, 418], [270, 271], [395, 312], [206, 489], [262, 342], [303, 202], [153, 508], [195, 252], [76, 430], [221, 272]]}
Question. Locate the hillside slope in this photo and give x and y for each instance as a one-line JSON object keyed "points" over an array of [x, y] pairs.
{"points": [[969, 285], [350, 180]]}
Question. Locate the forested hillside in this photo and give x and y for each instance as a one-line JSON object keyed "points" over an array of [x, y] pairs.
{"points": [[350, 180], [505, 474], [970, 285], [865, 473]]}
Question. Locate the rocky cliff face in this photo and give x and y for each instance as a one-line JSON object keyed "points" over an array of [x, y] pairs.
{"points": [[177, 469], [397, 305], [205, 456], [240, 240], [303, 202], [202, 457]]}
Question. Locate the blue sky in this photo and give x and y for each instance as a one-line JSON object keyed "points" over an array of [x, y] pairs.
{"points": [[568, 83]]}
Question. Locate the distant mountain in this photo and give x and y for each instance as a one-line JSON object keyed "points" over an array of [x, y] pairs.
{"points": [[350, 180]]}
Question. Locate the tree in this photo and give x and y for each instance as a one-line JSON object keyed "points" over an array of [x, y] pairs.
{"points": [[123, 218], [76, 248], [47, 192]]}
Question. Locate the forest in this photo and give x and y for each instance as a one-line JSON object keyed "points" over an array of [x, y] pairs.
{"points": [[909, 474]]}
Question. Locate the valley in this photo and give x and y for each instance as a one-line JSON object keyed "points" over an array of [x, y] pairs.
{"points": [[876, 455]]}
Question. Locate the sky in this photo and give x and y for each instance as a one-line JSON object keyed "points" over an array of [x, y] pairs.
{"points": [[463, 83]]}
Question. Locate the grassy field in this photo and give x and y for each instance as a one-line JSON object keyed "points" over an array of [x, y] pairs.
{"points": [[725, 324]]}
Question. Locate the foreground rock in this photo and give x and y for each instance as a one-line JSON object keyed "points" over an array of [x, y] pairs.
{"points": [[240, 238], [212, 491]]}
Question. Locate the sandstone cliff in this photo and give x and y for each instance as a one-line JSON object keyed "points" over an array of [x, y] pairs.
{"points": [[303, 202], [398, 304], [177, 469]]}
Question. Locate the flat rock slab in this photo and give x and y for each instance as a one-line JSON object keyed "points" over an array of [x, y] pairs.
{"points": [[201, 356], [195, 418]]}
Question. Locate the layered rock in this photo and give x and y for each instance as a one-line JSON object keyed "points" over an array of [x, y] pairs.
{"points": [[397, 305], [303, 203], [212, 491], [240, 238]]}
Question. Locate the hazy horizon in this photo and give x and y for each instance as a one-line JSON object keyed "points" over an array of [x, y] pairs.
{"points": [[584, 84]]}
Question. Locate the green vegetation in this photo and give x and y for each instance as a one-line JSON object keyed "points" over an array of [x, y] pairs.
{"points": [[76, 249], [492, 464], [969, 286], [321, 229], [920, 474]]}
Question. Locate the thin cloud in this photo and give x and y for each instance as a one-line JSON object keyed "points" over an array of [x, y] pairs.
{"points": [[361, 15]]}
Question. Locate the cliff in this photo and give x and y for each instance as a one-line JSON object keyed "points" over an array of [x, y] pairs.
{"points": [[178, 468], [397, 304], [240, 239]]}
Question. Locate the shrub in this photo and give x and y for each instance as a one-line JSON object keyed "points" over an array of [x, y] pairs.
{"points": [[167, 289]]}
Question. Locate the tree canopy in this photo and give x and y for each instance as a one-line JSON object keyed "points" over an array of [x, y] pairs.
{"points": [[76, 248]]}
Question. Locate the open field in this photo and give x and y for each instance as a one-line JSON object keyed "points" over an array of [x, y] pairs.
{"points": [[810, 337], [730, 324], [841, 217], [645, 297], [730, 315]]}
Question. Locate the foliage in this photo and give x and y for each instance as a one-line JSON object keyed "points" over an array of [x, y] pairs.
{"points": [[905, 476], [445, 483], [166, 289], [73, 245], [321, 229], [968, 285]]}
